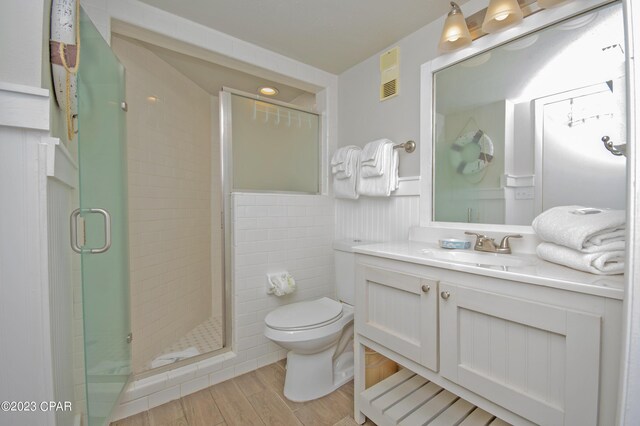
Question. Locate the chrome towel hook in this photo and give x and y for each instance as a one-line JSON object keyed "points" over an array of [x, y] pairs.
{"points": [[614, 149]]}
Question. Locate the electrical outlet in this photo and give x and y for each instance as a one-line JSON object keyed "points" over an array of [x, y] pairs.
{"points": [[524, 193]]}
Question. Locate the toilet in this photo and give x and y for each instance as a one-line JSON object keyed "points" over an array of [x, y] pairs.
{"points": [[318, 334]]}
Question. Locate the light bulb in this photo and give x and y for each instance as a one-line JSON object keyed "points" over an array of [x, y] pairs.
{"points": [[455, 33], [501, 14]]}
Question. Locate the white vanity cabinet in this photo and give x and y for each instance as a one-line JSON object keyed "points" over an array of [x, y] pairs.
{"points": [[400, 311], [537, 360], [528, 353]]}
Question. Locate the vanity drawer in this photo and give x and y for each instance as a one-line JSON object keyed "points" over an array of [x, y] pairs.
{"points": [[400, 311], [539, 361]]}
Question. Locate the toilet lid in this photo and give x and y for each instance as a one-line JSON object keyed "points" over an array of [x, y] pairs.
{"points": [[304, 314]]}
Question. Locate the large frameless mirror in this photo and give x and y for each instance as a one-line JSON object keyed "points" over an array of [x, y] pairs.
{"points": [[519, 129]]}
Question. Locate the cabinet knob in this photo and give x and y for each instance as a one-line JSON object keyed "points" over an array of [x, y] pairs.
{"points": [[426, 288], [445, 295]]}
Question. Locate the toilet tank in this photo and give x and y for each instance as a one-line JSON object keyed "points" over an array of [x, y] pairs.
{"points": [[345, 268]]}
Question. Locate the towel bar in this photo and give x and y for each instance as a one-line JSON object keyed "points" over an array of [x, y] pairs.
{"points": [[409, 146]]}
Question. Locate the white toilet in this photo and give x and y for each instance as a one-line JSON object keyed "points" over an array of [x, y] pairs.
{"points": [[318, 334]]}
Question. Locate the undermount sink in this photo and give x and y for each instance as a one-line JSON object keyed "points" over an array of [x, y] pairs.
{"points": [[478, 258]]}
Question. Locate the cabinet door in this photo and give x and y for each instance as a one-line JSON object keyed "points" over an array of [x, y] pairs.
{"points": [[399, 311], [539, 361]]}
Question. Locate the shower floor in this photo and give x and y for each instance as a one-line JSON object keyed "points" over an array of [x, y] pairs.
{"points": [[205, 337]]}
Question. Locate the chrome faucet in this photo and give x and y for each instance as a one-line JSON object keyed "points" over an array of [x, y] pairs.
{"points": [[484, 243]]}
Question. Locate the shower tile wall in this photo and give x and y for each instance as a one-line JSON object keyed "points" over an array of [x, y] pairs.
{"points": [[274, 233], [377, 219], [169, 155]]}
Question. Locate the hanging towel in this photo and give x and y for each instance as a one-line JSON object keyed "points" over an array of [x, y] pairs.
{"points": [[601, 263], [581, 228], [345, 172], [372, 158], [342, 159], [387, 181]]}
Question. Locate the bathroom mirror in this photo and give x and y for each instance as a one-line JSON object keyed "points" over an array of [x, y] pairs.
{"points": [[518, 128]]}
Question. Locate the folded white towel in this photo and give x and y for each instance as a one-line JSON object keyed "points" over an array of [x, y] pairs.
{"points": [[601, 263], [372, 158], [581, 228], [340, 155], [346, 162], [346, 188], [381, 186], [372, 151], [345, 179], [170, 358]]}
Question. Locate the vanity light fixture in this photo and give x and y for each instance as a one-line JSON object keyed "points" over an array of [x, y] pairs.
{"points": [[501, 14], [268, 91], [455, 33]]}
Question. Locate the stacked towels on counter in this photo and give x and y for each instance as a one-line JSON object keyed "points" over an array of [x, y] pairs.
{"points": [[583, 238], [344, 167], [378, 169], [372, 171]]}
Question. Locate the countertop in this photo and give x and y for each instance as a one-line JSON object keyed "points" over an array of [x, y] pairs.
{"points": [[534, 270]]}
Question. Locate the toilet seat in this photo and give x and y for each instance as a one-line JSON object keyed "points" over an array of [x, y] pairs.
{"points": [[304, 315]]}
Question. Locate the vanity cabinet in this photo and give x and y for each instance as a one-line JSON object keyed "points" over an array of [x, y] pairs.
{"points": [[400, 311], [538, 360], [528, 353]]}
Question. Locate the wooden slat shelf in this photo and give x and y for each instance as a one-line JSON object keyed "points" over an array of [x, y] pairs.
{"points": [[408, 399]]}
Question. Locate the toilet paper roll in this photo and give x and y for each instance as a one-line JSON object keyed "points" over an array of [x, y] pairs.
{"points": [[280, 283]]}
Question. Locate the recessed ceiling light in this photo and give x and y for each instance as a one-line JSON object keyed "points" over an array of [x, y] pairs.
{"points": [[268, 91]]}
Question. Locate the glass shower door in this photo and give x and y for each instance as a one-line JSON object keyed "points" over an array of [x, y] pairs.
{"points": [[103, 210]]}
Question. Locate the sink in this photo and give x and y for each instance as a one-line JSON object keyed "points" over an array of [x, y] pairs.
{"points": [[478, 258]]}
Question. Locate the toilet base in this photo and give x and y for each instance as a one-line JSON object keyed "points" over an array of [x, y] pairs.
{"points": [[313, 376]]}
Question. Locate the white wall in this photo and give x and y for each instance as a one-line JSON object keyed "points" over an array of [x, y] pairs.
{"points": [[363, 118], [26, 352], [376, 219], [273, 233], [21, 42]]}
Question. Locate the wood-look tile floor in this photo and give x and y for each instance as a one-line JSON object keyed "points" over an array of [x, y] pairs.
{"points": [[255, 398]]}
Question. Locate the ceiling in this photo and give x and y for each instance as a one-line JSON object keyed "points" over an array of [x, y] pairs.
{"points": [[212, 77], [332, 35]]}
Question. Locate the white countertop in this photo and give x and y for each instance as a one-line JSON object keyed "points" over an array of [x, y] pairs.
{"points": [[534, 271]]}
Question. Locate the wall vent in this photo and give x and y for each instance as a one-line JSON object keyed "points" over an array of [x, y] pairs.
{"points": [[389, 89], [389, 73]]}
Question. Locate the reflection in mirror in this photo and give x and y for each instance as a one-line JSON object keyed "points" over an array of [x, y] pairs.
{"points": [[518, 129]]}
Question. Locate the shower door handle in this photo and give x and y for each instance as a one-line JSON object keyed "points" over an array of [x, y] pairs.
{"points": [[74, 231]]}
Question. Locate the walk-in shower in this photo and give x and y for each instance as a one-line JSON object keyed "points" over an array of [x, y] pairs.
{"points": [[180, 294], [176, 240]]}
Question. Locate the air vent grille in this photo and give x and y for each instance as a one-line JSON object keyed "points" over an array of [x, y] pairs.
{"points": [[389, 73], [389, 89]]}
